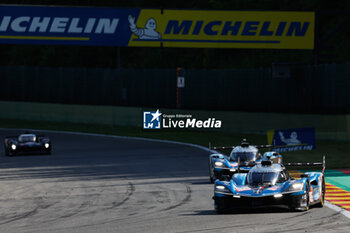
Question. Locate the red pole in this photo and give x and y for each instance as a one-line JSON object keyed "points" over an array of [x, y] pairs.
{"points": [[177, 87]]}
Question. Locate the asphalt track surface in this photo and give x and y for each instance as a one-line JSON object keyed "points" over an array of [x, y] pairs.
{"points": [[103, 184]]}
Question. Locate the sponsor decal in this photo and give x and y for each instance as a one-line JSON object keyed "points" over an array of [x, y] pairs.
{"points": [[242, 189], [311, 196]]}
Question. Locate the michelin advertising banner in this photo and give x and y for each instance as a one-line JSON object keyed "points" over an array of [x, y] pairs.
{"points": [[156, 28], [292, 139]]}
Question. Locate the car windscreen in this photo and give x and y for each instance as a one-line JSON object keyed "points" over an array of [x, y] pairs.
{"points": [[263, 178], [27, 138], [244, 156]]}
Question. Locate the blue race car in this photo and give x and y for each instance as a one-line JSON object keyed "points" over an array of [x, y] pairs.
{"points": [[269, 184], [241, 159]]}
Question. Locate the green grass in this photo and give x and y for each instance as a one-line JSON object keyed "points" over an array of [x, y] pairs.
{"points": [[337, 152]]}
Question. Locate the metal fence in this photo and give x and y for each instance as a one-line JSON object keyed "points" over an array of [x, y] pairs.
{"points": [[311, 89]]}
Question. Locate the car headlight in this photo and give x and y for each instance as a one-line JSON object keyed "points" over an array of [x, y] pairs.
{"points": [[13, 147], [219, 164], [47, 145], [221, 188], [296, 187]]}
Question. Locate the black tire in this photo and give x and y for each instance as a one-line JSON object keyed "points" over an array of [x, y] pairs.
{"points": [[211, 172], [307, 197], [321, 203], [220, 206], [6, 152], [298, 207]]}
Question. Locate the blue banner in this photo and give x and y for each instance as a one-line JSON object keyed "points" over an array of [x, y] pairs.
{"points": [[65, 25], [292, 139]]}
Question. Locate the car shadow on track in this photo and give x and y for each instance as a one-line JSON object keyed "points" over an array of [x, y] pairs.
{"points": [[261, 210], [201, 181]]}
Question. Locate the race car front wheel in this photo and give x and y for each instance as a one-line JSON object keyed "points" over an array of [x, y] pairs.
{"points": [[321, 203], [220, 206], [211, 172], [7, 152], [307, 201], [302, 203]]}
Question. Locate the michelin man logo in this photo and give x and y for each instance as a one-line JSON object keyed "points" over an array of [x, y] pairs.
{"points": [[151, 120], [293, 140], [147, 33]]}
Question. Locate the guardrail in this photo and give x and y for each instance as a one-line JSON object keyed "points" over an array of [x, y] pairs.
{"points": [[308, 89]]}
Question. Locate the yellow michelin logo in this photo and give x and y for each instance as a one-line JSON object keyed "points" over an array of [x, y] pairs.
{"points": [[223, 29]]}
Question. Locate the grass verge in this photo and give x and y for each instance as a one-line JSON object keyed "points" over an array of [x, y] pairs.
{"points": [[337, 152]]}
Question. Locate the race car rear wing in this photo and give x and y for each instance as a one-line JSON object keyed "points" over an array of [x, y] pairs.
{"points": [[314, 164], [232, 147], [243, 144]]}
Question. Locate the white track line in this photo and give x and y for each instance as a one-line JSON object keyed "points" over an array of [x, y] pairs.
{"points": [[337, 209], [327, 203]]}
